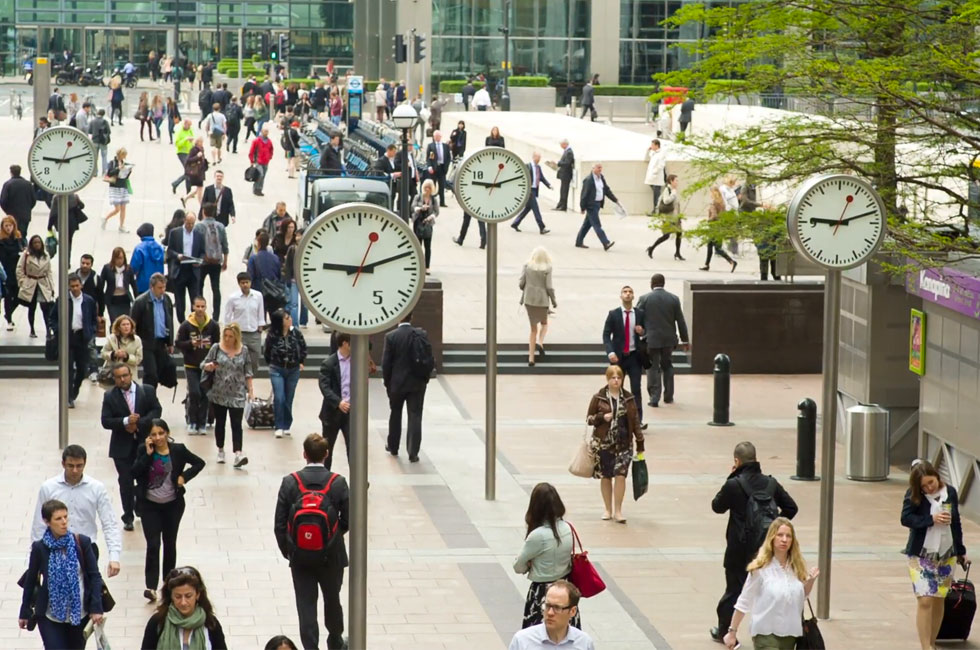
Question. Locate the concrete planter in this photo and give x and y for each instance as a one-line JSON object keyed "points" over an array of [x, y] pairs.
{"points": [[616, 106], [538, 100]]}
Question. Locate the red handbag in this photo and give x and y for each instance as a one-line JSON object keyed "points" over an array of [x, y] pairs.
{"points": [[583, 575]]}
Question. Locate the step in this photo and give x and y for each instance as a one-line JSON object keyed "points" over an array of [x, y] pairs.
{"points": [[540, 368]]}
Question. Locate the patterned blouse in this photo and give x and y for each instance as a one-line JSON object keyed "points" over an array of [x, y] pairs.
{"points": [[285, 351], [229, 389]]}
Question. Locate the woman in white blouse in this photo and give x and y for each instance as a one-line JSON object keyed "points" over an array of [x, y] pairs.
{"points": [[774, 592]]}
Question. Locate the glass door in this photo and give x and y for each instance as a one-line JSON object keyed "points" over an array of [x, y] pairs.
{"points": [[144, 42], [110, 46]]}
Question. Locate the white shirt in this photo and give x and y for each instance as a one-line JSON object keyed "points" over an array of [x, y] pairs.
{"points": [[536, 638], [482, 98], [188, 242], [939, 537], [76, 311], [599, 187], [85, 500], [774, 597], [248, 311], [728, 194]]}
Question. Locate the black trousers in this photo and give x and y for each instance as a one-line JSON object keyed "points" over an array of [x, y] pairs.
{"points": [[413, 436], [563, 198], [715, 247], [155, 357], [234, 128], [187, 286], [127, 486], [633, 369], [466, 226], [117, 306], [235, 415], [734, 581], [764, 267], [662, 364], [160, 521], [77, 359], [306, 581], [214, 272], [338, 422], [197, 401], [439, 177], [664, 237]]}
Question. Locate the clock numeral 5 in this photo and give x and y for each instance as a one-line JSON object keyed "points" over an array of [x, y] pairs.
{"points": [[378, 299]]}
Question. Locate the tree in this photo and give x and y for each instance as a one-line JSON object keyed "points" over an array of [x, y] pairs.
{"points": [[892, 90]]}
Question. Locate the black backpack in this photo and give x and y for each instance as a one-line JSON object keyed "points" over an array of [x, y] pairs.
{"points": [[420, 351], [760, 511]]}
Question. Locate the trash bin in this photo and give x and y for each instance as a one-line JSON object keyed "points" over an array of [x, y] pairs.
{"points": [[868, 452]]}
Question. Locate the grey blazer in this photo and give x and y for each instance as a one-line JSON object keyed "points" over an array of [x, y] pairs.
{"points": [[662, 319], [537, 288]]}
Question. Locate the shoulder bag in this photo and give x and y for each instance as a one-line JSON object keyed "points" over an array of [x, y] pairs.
{"points": [[583, 575], [811, 639], [582, 462], [108, 602]]}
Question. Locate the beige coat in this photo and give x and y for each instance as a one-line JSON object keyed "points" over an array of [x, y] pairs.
{"points": [[32, 273], [133, 347], [537, 288]]}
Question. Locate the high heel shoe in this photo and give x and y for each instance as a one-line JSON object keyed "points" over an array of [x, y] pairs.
{"points": [[530, 363], [677, 256], [539, 348], [650, 252], [734, 264]]}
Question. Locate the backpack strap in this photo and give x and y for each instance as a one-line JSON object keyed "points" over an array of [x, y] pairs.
{"points": [[324, 490]]}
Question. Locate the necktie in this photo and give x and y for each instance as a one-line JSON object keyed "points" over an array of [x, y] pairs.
{"points": [[537, 175], [130, 401], [626, 348]]}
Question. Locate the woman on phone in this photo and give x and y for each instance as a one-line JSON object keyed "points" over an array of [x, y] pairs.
{"points": [[231, 389], [424, 213], [161, 471]]}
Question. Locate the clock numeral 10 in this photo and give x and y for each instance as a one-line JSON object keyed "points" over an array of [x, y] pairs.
{"points": [[478, 174]]}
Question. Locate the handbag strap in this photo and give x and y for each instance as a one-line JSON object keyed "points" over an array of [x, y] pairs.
{"points": [[812, 615], [575, 539]]}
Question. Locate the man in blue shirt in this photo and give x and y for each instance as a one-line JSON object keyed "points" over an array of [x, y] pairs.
{"points": [[560, 605], [153, 313]]}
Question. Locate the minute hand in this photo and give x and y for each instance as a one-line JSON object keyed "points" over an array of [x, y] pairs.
{"points": [[369, 268], [859, 216]]}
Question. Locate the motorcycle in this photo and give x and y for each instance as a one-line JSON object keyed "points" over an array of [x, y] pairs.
{"points": [[130, 80], [69, 75], [92, 76]]}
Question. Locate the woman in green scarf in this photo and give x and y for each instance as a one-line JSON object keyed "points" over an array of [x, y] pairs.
{"points": [[185, 618]]}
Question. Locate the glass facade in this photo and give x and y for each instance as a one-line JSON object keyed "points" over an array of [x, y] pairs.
{"points": [[646, 46]]}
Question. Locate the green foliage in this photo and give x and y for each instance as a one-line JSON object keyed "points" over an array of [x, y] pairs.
{"points": [[528, 82], [625, 91], [451, 86]]}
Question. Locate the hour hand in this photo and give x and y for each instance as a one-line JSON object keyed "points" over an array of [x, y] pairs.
{"points": [[57, 160], [483, 184], [350, 269], [830, 222]]}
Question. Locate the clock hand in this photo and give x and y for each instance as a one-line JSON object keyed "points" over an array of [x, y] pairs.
{"points": [[509, 180], [830, 222], [482, 184], [369, 268], [57, 160], [859, 216], [847, 203], [500, 168], [350, 268], [373, 237]]}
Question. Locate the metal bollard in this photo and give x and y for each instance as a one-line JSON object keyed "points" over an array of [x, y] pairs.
{"points": [[723, 392], [806, 441]]}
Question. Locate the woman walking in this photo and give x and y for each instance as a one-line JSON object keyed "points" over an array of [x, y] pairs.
{"points": [[249, 113], [931, 512], [115, 99], [119, 187], [161, 470], [11, 248], [158, 113], [117, 282], [143, 115], [261, 116], [71, 590], [535, 283], [185, 617], [231, 389], [615, 424], [290, 147], [715, 208], [774, 592], [173, 117], [285, 352], [671, 219], [123, 345], [195, 169], [457, 140], [285, 236], [547, 552], [35, 281], [424, 212]]}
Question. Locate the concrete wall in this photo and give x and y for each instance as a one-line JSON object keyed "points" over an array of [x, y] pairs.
{"points": [[532, 99], [604, 50]]}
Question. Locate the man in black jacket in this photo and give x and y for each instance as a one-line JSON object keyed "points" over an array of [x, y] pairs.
{"points": [[128, 411], [222, 197], [621, 337], [184, 245], [81, 330], [327, 577], [663, 319], [566, 169], [334, 382], [595, 189], [403, 386], [153, 313], [331, 158], [437, 157], [17, 198], [92, 287], [746, 478]]}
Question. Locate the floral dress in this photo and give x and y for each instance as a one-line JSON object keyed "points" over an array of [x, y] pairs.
{"points": [[611, 443]]}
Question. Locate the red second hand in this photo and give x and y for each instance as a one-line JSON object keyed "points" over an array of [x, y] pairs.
{"points": [[373, 237], [847, 203], [500, 168]]}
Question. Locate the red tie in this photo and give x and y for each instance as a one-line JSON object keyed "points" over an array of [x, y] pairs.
{"points": [[626, 349]]}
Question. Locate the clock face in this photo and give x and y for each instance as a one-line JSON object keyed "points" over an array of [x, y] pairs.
{"points": [[62, 160], [359, 268], [837, 221], [493, 184]]}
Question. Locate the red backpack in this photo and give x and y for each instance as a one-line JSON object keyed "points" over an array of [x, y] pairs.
{"points": [[313, 522]]}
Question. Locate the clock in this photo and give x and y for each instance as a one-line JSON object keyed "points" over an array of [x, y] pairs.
{"points": [[493, 184], [62, 160], [836, 221], [359, 268]]}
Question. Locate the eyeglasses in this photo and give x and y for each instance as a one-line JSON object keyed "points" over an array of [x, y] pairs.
{"points": [[545, 606]]}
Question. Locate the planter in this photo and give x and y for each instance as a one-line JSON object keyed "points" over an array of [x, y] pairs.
{"points": [[538, 100], [617, 106]]}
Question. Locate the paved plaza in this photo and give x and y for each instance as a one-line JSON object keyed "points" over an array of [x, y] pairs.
{"points": [[440, 556]]}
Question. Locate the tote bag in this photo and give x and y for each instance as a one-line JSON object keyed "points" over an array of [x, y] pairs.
{"points": [[582, 462]]}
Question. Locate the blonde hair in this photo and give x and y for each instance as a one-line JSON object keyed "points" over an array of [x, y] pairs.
{"points": [[614, 370], [766, 553], [236, 331], [730, 179], [429, 183], [121, 151], [717, 200], [540, 259]]}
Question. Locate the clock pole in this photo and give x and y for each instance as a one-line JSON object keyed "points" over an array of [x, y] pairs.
{"points": [[490, 475], [357, 604], [828, 435], [64, 320]]}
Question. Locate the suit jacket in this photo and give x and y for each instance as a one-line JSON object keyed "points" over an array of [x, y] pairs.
{"points": [[383, 166], [588, 192], [330, 160], [541, 180], [396, 362], [107, 283], [38, 566], [566, 164], [225, 207], [330, 387], [175, 248], [588, 95], [142, 314], [413, 176], [663, 318], [614, 331], [180, 457], [88, 316], [115, 410], [432, 157], [17, 199], [314, 476]]}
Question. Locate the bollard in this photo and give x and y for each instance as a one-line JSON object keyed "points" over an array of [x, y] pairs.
{"points": [[723, 392], [806, 441]]}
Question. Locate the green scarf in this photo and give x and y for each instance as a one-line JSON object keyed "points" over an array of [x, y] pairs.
{"points": [[170, 635]]}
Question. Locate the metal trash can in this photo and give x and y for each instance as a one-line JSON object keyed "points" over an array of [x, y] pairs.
{"points": [[868, 452]]}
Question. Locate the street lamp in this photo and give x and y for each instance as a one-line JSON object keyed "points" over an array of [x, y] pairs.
{"points": [[505, 30], [404, 117]]}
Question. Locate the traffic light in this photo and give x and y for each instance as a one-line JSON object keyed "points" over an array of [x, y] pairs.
{"points": [[401, 53], [264, 45], [419, 49], [274, 55], [283, 47]]}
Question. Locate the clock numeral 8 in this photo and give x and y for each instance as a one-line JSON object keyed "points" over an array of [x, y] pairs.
{"points": [[377, 297], [47, 170]]}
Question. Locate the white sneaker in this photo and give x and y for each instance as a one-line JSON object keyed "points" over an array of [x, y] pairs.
{"points": [[288, 434], [93, 377], [279, 433], [241, 460], [221, 456], [10, 327]]}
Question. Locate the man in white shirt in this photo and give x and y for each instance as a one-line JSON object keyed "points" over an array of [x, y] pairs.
{"points": [[482, 100], [86, 499], [560, 605], [247, 309]]}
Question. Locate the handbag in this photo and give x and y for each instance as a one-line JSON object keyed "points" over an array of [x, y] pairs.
{"points": [[811, 639], [251, 174], [32, 618], [51, 244], [641, 479], [582, 462], [108, 602], [207, 381], [274, 294], [105, 378], [583, 575]]}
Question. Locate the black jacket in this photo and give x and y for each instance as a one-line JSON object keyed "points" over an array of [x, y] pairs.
{"points": [[151, 635], [314, 476], [76, 214], [566, 164], [122, 443], [918, 520], [88, 316], [731, 498], [142, 313], [494, 142], [330, 387], [190, 333], [107, 283], [330, 160], [396, 363], [17, 199], [588, 192], [175, 248], [663, 318], [383, 166], [10, 253], [180, 457], [225, 207], [90, 287], [432, 157], [614, 331], [457, 142], [38, 566]]}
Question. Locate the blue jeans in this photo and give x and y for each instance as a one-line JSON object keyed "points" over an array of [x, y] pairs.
{"points": [[297, 310], [61, 635], [284, 382], [335, 119], [591, 221]]}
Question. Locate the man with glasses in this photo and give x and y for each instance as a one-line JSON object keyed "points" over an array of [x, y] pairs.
{"points": [[559, 606]]}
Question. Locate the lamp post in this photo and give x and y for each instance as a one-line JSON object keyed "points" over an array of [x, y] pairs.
{"points": [[505, 30], [404, 117]]}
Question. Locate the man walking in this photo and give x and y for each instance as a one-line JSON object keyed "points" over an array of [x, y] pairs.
{"points": [[100, 131], [87, 500], [153, 314], [405, 382], [215, 254], [247, 309], [185, 250], [183, 143], [128, 411], [745, 481], [194, 339], [537, 178], [620, 335], [223, 199], [17, 199], [91, 286], [315, 569], [216, 126], [260, 155], [334, 384], [588, 101], [560, 606], [593, 198], [438, 156], [81, 330], [663, 319], [566, 169], [655, 171]]}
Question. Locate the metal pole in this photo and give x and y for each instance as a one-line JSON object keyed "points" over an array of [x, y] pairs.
{"points": [[491, 415], [409, 59], [505, 95], [357, 605], [403, 192], [425, 77], [828, 441], [64, 320], [241, 49], [217, 29]]}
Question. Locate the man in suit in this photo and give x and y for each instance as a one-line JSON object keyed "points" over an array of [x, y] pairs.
{"points": [[413, 179], [185, 244], [537, 178], [17, 199], [566, 169], [593, 198], [222, 198], [588, 101], [621, 336], [331, 158], [82, 319], [403, 387], [128, 411], [334, 382], [437, 158], [663, 318], [153, 314], [328, 576], [387, 165]]}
